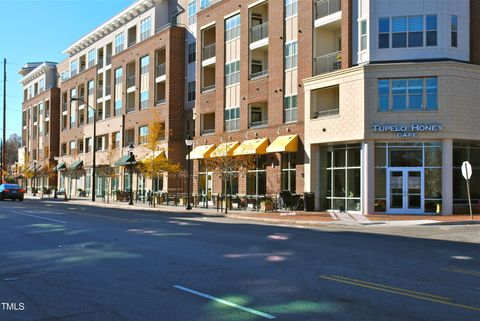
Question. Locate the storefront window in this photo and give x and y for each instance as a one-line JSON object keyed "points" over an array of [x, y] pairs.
{"points": [[465, 152], [231, 183], [289, 163], [257, 178], [341, 182]]}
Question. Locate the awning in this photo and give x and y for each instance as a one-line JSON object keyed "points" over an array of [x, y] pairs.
{"points": [[76, 165], [201, 152], [61, 166], [154, 155], [123, 161], [225, 149], [288, 144], [252, 147]]}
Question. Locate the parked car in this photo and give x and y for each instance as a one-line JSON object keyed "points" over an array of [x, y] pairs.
{"points": [[11, 191]]}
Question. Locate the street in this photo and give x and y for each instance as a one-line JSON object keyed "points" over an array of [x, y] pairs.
{"points": [[60, 261]]}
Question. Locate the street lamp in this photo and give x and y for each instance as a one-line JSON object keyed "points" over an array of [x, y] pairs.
{"points": [[34, 178], [132, 159], [94, 142], [189, 143]]}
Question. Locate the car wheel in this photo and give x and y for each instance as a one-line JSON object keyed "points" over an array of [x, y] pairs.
{"points": [[21, 199]]}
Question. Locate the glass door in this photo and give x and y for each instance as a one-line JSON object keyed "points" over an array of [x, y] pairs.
{"points": [[405, 190]]}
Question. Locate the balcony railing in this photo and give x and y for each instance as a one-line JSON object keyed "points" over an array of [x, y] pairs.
{"points": [[208, 131], [259, 32], [326, 113], [132, 43], [108, 90], [161, 69], [130, 81], [259, 74], [261, 123], [324, 8], [208, 51], [208, 88], [160, 101], [327, 63]]}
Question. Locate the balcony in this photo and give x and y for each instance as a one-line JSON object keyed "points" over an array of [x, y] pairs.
{"points": [[208, 88], [208, 51], [325, 102], [259, 32], [161, 69], [160, 101], [259, 74], [207, 131], [131, 81], [327, 63], [325, 8], [326, 113], [256, 124]]}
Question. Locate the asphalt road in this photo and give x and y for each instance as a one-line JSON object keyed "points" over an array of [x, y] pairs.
{"points": [[60, 261]]}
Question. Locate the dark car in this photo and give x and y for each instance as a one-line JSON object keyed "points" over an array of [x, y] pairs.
{"points": [[11, 191]]}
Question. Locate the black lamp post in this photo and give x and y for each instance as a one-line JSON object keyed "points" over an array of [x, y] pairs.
{"points": [[132, 159], [189, 143], [94, 143], [34, 178]]}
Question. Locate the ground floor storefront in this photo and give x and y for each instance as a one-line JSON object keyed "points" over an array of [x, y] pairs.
{"points": [[394, 177]]}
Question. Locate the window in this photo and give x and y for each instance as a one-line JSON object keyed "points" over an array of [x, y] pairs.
{"points": [[232, 73], [73, 145], [192, 12], [118, 107], [289, 162], [257, 178], [191, 91], [415, 31], [90, 88], [90, 115], [384, 33], [41, 85], [291, 8], [73, 108], [191, 52], [454, 31], [91, 57], [232, 27], [118, 76], [116, 140], [363, 34], [73, 68], [411, 94], [129, 137], [290, 114], [88, 144], [144, 63], [65, 76], [119, 39], [145, 27], [291, 54], [144, 100], [64, 149], [431, 30], [232, 119], [142, 134], [81, 146]]}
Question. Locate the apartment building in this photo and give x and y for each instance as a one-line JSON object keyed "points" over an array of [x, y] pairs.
{"points": [[131, 71], [250, 95], [40, 110], [389, 132]]}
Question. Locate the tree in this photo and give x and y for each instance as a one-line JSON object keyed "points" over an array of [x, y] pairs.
{"points": [[227, 166], [48, 171], [13, 143]]}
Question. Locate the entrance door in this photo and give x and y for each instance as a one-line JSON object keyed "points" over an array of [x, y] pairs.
{"points": [[405, 190], [205, 187]]}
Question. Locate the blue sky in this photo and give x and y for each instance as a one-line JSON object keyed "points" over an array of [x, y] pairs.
{"points": [[36, 30]]}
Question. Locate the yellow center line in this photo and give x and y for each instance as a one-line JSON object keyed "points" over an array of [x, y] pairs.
{"points": [[401, 293], [458, 270], [393, 288]]}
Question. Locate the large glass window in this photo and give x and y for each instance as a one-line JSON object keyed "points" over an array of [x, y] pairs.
{"points": [[192, 12], [291, 55], [465, 151], [415, 31], [340, 172], [73, 68], [257, 178], [454, 31], [144, 64], [191, 91], [232, 119], [119, 40], [291, 109], [142, 134], [92, 54], [145, 27], [384, 33], [411, 94], [363, 35], [431, 28], [291, 8], [232, 27]]}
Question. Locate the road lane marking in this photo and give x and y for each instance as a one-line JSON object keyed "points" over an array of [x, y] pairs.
{"points": [[393, 288], [43, 218], [421, 297], [204, 295], [458, 270]]}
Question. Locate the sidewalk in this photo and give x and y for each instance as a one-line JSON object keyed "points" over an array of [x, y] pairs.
{"points": [[288, 217]]}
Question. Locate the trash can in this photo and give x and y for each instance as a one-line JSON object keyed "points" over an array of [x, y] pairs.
{"points": [[309, 201]]}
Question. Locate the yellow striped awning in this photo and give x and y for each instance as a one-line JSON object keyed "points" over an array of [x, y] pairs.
{"points": [[288, 144], [154, 155], [201, 152], [225, 149], [252, 147]]}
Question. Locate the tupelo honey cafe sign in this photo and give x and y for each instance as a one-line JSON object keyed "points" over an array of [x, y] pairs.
{"points": [[408, 131]]}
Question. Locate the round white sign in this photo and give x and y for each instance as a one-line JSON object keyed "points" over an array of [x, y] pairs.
{"points": [[466, 170]]}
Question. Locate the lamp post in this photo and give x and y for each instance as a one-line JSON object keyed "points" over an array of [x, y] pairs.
{"points": [[34, 178], [189, 143], [132, 159], [94, 142]]}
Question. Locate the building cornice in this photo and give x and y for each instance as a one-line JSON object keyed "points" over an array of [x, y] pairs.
{"points": [[130, 13], [37, 72]]}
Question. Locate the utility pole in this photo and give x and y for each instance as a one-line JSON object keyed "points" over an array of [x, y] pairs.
{"points": [[4, 158]]}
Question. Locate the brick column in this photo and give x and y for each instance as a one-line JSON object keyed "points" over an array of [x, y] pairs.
{"points": [[346, 33]]}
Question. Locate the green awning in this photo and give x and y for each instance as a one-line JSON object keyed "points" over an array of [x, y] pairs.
{"points": [[124, 161], [61, 166], [76, 165]]}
